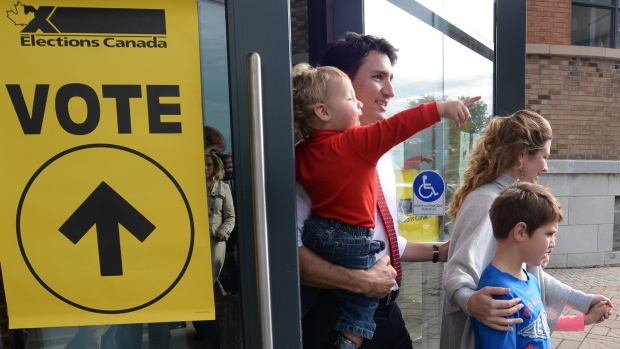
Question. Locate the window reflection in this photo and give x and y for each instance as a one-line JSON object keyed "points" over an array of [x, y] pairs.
{"points": [[226, 331], [436, 63], [591, 26], [616, 224], [214, 66], [445, 52]]}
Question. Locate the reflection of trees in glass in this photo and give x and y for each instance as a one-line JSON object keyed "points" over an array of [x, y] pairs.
{"points": [[478, 111], [424, 99], [479, 119]]}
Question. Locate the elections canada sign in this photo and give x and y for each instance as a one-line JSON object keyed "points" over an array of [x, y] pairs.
{"points": [[58, 26], [103, 217]]}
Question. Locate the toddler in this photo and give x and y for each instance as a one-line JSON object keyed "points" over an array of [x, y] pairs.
{"points": [[577, 323]]}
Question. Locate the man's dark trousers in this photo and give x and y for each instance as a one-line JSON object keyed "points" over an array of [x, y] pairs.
{"points": [[319, 322]]}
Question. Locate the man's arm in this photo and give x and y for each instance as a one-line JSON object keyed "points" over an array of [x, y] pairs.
{"points": [[375, 282], [315, 271], [416, 252]]}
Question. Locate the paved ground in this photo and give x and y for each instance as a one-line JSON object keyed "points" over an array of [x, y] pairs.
{"points": [[422, 297], [421, 301], [605, 281]]}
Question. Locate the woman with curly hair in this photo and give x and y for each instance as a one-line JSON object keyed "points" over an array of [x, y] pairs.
{"points": [[511, 149]]}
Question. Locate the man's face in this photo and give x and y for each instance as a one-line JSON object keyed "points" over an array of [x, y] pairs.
{"points": [[373, 86]]}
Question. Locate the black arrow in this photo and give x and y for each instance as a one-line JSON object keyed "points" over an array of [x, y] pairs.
{"points": [[105, 208]]}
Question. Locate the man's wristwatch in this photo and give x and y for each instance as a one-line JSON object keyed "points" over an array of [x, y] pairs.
{"points": [[435, 254]]}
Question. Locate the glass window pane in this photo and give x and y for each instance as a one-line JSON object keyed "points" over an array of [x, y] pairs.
{"points": [[418, 78], [617, 30], [445, 52], [603, 2], [590, 26], [226, 330], [214, 67], [467, 74], [446, 69], [478, 21], [617, 224]]}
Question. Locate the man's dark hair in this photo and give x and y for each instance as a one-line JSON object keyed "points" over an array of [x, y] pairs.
{"points": [[347, 52]]}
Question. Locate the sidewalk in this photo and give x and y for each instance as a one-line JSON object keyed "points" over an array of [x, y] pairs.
{"points": [[421, 297], [605, 281]]}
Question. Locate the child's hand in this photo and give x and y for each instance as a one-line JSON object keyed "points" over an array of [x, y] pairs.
{"points": [[596, 313], [598, 298], [456, 110]]}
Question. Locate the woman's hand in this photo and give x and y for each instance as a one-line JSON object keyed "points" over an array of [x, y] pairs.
{"points": [[492, 312], [596, 313], [600, 298]]}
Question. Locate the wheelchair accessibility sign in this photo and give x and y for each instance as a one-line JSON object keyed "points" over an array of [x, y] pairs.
{"points": [[428, 194]]}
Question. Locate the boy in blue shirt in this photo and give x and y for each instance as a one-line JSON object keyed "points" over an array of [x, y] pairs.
{"points": [[525, 219]]}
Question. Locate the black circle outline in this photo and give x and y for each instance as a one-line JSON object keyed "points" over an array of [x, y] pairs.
{"points": [[129, 150]]}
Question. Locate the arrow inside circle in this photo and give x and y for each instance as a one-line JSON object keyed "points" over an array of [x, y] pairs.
{"points": [[106, 209]]}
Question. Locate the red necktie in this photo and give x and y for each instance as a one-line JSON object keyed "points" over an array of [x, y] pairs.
{"points": [[388, 222]]}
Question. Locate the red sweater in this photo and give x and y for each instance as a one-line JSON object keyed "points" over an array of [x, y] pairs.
{"points": [[338, 169]]}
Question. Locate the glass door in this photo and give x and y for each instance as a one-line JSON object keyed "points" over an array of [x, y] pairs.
{"points": [[256, 275], [263, 29]]}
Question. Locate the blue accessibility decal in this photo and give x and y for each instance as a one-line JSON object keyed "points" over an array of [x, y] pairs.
{"points": [[428, 186]]}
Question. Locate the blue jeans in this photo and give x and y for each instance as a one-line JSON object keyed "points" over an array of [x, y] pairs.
{"points": [[350, 247]]}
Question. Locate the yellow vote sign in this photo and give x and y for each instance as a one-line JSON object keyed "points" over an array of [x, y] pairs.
{"points": [[103, 216]]}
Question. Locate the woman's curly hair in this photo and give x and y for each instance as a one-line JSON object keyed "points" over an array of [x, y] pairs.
{"points": [[504, 138]]}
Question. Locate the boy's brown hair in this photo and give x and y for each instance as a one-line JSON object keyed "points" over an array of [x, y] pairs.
{"points": [[524, 202]]}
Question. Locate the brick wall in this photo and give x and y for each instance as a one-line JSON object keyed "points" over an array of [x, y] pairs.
{"points": [[578, 93], [548, 22], [299, 26], [580, 97]]}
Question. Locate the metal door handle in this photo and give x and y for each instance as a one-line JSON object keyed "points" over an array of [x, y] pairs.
{"points": [[255, 100]]}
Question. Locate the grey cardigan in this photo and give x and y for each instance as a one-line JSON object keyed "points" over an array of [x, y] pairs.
{"points": [[472, 246]]}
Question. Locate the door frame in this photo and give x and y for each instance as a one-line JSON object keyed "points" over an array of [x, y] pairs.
{"points": [[264, 27]]}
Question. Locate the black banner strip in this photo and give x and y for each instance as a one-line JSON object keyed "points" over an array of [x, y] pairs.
{"points": [[108, 20]]}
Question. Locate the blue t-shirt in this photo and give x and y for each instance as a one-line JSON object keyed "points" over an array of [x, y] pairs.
{"points": [[533, 332]]}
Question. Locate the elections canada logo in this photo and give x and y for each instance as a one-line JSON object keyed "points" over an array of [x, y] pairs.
{"points": [[55, 26]]}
